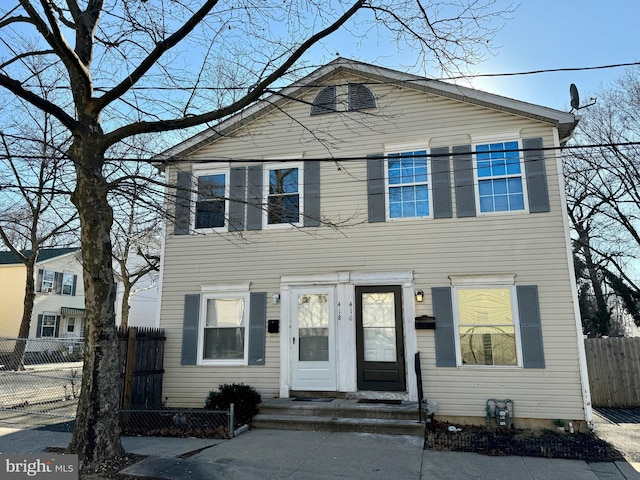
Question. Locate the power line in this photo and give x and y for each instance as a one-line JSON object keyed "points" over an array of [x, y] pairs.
{"points": [[332, 159], [311, 85]]}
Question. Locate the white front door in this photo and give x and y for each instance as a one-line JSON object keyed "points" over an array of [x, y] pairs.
{"points": [[312, 339]]}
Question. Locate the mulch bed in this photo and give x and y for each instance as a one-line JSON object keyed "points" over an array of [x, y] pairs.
{"points": [[521, 442]]}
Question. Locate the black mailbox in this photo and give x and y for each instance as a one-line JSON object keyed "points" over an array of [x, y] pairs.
{"points": [[425, 322], [273, 326]]}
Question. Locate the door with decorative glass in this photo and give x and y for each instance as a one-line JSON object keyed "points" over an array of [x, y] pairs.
{"points": [[312, 339], [379, 338]]}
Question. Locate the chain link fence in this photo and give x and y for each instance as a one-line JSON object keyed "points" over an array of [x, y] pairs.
{"points": [[166, 422], [48, 383], [46, 389]]}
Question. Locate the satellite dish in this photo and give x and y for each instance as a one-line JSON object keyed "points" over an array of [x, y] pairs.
{"points": [[575, 98]]}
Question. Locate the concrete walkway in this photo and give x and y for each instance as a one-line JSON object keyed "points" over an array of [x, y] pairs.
{"points": [[280, 454]]}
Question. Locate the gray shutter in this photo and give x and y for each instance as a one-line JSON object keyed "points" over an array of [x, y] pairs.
{"points": [[441, 178], [537, 190], [237, 188], [57, 282], [190, 330], [463, 174], [375, 188], [39, 280], [360, 97], [530, 326], [325, 101], [445, 331], [56, 333], [75, 284], [183, 204], [39, 330], [254, 198], [311, 193], [257, 327]]}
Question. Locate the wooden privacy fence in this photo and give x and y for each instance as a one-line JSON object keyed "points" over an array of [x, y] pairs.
{"points": [[614, 371], [141, 367]]}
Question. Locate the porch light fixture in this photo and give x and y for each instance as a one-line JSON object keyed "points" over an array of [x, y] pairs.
{"points": [[419, 295], [275, 298]]}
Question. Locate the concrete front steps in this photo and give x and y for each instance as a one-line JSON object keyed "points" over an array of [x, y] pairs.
{"points": [[339, 415]]}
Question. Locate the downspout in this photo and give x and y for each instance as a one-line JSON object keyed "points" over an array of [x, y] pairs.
{"points": [[582, 357]]}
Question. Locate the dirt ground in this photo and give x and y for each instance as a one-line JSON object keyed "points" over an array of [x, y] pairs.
{"points": [[625, 437]]}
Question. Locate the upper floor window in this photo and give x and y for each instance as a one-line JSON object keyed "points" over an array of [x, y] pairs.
{"points": [[48, 277], [408, 184], [67, 283], [500, 183], [284, 193], [211, 200]]}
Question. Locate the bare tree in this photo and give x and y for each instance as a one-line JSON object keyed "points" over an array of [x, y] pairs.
{"points": [[34, 195], [137, 229], [128, 71], [603, 192]]}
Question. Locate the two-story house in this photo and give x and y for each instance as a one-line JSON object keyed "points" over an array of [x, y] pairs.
{"points": [[58, 310], [317, 233]]}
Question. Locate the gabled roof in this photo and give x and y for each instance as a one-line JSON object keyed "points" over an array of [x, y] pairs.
{"points": [[9, 258], [564, 121]]}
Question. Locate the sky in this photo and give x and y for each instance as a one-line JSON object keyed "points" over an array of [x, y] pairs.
{"points": [[548, 34]]}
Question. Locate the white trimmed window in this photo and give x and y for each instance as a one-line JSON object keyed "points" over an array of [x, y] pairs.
{"points": [[48, 325], [486, 326], [224, 319], [48, 278], [499, 176], [284, 193], [210, 200], [67, 283], [407, 184]]}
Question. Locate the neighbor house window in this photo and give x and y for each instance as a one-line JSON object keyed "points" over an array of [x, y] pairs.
{"points": [[486, 326], [224, 327], [284, 193], [71, 324], [211, 200], [67, 283], [48, 277], [499, 171], [408, 184], [48, 326]]}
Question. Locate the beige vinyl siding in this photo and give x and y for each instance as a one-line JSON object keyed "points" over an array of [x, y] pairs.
{"points": [[531, 246]]}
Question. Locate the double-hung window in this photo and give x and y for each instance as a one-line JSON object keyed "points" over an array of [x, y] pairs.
{"points": [[67, 284], [48, 277], [284, 185], [224, 320], [499, 171], [408, 184], [48, 325], [211, 204], [486, 323]]}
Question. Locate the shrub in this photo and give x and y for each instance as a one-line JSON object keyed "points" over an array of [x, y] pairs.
{"points": [[244, 398]]}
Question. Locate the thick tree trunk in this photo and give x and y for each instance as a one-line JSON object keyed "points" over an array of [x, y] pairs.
{"points": [[16, 361], [97, 433]]}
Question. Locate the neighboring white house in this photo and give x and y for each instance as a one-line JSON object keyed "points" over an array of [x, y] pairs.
{"points": [[143, 302], [333, 230], [58, 310]]}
